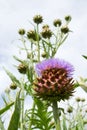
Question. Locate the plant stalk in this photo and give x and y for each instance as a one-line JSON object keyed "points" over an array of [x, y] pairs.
{"points": [[56, 115], [38, 46], [22, 110]]}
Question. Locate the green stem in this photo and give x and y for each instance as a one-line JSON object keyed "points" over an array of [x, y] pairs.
{"points": [[22, 109], [24, 44], [38, 46], [31, 63], [56, 115]]}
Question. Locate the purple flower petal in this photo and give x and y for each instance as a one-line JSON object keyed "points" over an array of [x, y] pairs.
{"points": [[54, 63]]}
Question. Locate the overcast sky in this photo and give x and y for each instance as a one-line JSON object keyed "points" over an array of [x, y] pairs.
{"points": [[15, 14]]}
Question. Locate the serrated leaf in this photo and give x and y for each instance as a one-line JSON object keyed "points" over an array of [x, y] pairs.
{"points": [[14, 122], [16, 58], [12, 77], [7, 107], [85, 57]]}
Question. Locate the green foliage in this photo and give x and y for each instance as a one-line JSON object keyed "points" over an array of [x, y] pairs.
{"points": [[85, 57], [14, 122], [12, 77], [7, 107], [42, 118]]}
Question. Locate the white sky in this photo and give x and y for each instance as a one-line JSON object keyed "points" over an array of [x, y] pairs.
{"points": [[14, 14]]}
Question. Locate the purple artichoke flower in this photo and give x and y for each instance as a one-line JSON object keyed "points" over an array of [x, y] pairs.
{"points": [[54, 81]]}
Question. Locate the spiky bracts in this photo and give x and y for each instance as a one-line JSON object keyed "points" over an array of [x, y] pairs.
{"points": [[54, 81]]}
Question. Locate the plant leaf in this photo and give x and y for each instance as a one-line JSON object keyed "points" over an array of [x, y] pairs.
{"points": [[14, 122], [16, 58], [85, 57], [12, 77], [6, 108]]}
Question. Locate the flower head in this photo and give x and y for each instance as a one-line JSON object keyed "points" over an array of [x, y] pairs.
{"points": [[21, 31], [22, 68], [68, 18], [46, 32], [13, 86], [57, 22], [38, 19], [54, 81], [65, 29]]}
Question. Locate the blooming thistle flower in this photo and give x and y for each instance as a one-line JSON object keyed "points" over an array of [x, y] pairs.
{"points": [[54, 81]]}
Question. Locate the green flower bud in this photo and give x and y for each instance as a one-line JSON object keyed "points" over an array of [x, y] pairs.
{"points": [[22, 68], [31, 35], [78, 99], [13, 86], [70, 109], [35, 60], [83, 99], [68, 18], [21, 31], [65, 29], [38, 19], [46, 33], [29, 55], [57, 22], [44, 55], [45, 26]]}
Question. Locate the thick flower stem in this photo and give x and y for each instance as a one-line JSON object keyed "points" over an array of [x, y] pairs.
{"points": [[56, 115]]}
